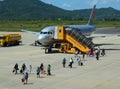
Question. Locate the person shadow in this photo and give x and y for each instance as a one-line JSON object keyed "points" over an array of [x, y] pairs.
{"points": [[29, 84]]}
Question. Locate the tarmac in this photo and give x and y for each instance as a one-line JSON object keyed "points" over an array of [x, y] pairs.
{"points": [[94, 74]]}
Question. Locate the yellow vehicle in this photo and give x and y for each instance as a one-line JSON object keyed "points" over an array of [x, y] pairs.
{"points": [[10, 39], [70, 40], [66, 48], [73, 42]]}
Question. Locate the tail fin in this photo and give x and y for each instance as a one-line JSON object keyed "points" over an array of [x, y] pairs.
{"points": [[92, 16]]}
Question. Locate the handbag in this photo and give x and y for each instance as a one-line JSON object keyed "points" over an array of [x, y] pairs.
{"points": [[23, 79]]}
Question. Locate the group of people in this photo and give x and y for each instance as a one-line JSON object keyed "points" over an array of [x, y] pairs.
{"points": [[100, 52], [91, 52], [16, 68], [71, 61], [96, 52], [40, 70], [23, 71]]}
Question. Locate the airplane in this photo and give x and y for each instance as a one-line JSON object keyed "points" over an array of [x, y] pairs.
{"points": [[47, 35]]}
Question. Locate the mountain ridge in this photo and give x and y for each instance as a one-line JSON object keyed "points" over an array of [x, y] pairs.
{"points": [[36, 9]]}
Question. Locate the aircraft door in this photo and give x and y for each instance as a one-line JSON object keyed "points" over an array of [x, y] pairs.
{"points": [[61, 32]]}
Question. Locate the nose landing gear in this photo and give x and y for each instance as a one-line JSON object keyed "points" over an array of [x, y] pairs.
{"points": [[37, 43], [48, 50]]}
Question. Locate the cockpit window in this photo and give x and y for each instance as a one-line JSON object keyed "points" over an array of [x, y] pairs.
{"points": [[49, 32], [45, 32]]}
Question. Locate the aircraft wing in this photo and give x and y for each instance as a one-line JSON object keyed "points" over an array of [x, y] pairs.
{"points": [[105, 32], [102, 35], [37, 33]]}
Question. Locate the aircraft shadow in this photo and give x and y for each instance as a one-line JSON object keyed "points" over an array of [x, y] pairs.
{"points": [[53, 52], [112, 49], [108, 48], [35, 45], [105, 44]]}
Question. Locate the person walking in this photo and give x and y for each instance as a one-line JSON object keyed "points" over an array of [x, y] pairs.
{"points": [[49, 69], [64, 62], [30, 68], [38, 72], [98, 51], [83, 56], [25, 77], [97, 55], [23, 68], [79, 60], [16, 68], [103, 52], [42, 68], [71, 62]]}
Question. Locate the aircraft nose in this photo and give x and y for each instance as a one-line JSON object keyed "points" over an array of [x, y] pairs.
{"points": [[41, 39], [44, 39]]}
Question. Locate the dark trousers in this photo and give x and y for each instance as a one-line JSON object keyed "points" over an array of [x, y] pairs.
{"points": [[49, 73]]}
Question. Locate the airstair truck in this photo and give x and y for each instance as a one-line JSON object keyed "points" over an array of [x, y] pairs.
{"points": [[10, 39], [74, 40]]}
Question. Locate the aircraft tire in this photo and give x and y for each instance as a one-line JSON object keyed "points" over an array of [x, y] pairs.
{"points": [[46, 50]]}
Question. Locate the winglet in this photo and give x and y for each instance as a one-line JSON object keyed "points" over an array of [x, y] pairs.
{"points": [[92, 16]]}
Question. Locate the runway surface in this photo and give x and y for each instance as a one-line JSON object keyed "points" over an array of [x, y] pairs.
{"points": [[102, 74], [108, 30]]}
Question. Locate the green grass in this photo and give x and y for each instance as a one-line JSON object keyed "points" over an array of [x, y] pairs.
{"points": [[37, 25]]}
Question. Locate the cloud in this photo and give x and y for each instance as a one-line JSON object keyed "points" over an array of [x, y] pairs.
{"points": [[107, 1], [66, 5]]}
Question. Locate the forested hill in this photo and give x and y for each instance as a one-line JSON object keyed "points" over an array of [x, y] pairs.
{"points": [[36, 9]]}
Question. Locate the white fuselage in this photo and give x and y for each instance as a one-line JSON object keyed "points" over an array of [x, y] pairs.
{"points": [[48, 35]]}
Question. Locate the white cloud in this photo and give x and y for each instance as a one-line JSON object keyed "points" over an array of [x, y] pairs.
{"points": [[66, 5], [107, 1]]}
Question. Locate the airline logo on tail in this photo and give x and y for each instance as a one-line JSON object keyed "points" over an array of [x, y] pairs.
{"points": [[92, 16]]}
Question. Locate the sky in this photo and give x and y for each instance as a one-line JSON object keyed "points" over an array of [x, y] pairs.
{"points": [[83, 4]]}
